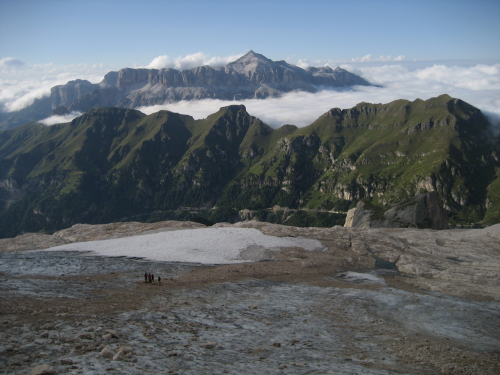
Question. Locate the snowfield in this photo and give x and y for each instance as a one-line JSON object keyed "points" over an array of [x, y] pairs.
{"points": [[204, 245]]}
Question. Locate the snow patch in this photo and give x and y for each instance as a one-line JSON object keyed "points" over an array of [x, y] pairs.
{"points": [[361, 277], [204, 245]]}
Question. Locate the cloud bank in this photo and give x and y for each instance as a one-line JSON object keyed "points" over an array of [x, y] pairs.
{"points": [[21, 83], [11, 62], [190, 61], [59, 119], [305, 63]]}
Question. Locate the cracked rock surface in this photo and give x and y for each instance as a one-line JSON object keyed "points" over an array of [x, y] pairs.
{"points": [[375, 301]]}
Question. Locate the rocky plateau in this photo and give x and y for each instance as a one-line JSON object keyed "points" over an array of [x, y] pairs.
{"points": [[374, 301]]}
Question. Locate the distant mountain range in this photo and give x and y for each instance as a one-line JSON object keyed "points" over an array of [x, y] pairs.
{"points": [[112, 163], [251, 76]]}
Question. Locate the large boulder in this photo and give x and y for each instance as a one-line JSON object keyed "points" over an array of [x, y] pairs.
{"points": [[421, 211]]}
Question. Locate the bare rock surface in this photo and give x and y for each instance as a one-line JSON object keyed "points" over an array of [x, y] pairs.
{"points": [[458, 262], [374, 301], [30, 241], [43, 370], [421, 211], [88, 232]]}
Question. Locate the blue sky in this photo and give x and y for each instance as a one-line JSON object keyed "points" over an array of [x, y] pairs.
{"points": [[123, 33], [411, 49]]}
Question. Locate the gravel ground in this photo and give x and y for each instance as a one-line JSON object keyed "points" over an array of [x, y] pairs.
{"points": [[304, 313]]}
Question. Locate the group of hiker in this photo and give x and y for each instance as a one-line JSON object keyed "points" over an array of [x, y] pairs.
{"points": [[150, 278]]}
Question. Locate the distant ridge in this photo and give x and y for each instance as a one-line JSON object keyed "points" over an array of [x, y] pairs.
{"points": [[114, 163], [251, 76]]}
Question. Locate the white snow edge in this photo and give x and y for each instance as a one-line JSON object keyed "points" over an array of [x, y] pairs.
{"points": [[200, 245]]}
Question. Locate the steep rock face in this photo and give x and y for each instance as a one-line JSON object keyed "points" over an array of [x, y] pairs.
{"points": [[421, 211], [251, 76], [62, 94]]}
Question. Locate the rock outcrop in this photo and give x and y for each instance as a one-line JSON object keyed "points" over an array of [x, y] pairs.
{"points": [[421, 211]]}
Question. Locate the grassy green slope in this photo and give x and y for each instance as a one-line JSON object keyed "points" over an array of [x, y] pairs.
{"points": [[114, 162], [385, 153]]}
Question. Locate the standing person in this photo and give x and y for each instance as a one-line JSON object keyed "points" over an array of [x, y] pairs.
{"points": [[159, 280], [146, 277], [153, 277]]}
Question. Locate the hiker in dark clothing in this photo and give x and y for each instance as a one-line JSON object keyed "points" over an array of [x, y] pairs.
{"points": [[159, 279], [146, 277], [153, 277], [149, 277]]}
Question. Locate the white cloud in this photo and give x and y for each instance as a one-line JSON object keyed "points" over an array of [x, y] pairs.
{"points": [[180, 63], [221, 61], [190, 61], [305, 63], [11, 62], [362, 59], [369, 58], [59, 119], [19, 88], [160, 62]]}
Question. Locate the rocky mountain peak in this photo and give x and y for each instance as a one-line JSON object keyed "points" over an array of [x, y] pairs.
{"points": [[235, 108], [251, 57], [249, 63]]}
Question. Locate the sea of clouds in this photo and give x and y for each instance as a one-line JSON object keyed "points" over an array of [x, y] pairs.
{"points": [[477, 83]]}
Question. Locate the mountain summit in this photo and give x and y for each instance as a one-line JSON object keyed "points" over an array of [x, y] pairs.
{"points": [[249, 63], [251, 76]]}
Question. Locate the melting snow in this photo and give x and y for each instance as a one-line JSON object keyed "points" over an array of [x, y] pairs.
{"points": [[205, 245], [362, 277]]}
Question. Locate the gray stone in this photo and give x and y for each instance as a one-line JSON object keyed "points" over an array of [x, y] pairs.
{"points": [[120, 356], [256, 253], [44, 369], [114, 334], [209, 345], [421, 211], [86, 336], [126, 349], [107, 352]]}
